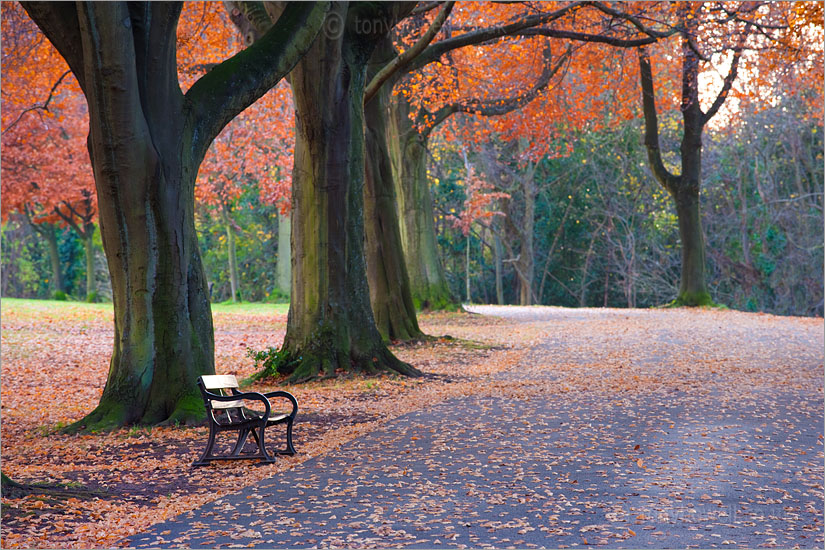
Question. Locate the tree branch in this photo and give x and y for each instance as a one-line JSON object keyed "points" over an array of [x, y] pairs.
{"points": [[635, 21], [68, 219], [225, 91], [59, 22], [587, 37], [654, 155], [499, 106], [481, 36], [402, 60], [730, 78], [424, 8], [43, 107]]}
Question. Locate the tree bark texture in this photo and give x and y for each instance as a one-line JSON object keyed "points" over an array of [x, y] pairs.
{"points": [[428, 283], [146, 142], [389, 283], [330, 324]]}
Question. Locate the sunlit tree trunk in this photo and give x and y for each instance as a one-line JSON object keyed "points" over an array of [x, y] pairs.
{"points": [[331, 325]]}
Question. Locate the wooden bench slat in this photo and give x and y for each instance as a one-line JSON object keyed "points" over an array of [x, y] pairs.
{"points": [[226, 404], [219, 381]]}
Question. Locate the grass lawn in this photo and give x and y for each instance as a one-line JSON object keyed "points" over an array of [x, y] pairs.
{"points": [[35, 307]]}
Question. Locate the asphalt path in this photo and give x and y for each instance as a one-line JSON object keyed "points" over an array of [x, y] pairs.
{"points": [[666, 457]]}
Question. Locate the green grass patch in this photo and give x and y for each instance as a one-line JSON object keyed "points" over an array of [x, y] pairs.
{"points": [[251, 308]]}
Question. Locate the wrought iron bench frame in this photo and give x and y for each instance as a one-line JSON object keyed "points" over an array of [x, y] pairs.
{"points": [[225, 412]]}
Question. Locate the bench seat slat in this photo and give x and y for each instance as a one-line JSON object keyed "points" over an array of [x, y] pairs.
{"points": [[226, 404]]}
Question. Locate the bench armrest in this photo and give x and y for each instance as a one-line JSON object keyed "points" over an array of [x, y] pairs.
{"points": [[287, 396], [237, 396]]}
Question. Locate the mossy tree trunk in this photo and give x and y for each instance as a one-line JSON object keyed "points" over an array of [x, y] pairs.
{"points": [[146, 142], [389, 283], [330, 324], [408, 148]]}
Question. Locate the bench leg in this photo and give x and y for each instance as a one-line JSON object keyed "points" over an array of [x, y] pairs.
{"points": [[259, 439], [207, 453], [290, 450], [242, 435]]}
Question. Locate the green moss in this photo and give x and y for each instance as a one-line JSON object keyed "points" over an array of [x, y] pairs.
{"points": [[188, 410], [109, 415], [694, 299]]}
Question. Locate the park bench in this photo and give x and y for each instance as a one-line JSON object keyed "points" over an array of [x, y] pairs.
{"points": [[225, 411]]}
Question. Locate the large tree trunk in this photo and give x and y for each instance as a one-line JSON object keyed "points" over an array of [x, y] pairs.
{"points": [[331, 325], [408, 148], [693, 290], [145, 181], [284, 265], [146, 142], [684, 188], [390, 296]]}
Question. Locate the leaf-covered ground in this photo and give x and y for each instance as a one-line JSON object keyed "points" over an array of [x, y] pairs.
{"points": [[102, 488], [662, 428]]}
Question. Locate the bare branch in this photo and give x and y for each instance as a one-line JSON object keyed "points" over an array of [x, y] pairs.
{"points": [[635, 21], [729, 78], [43, 107]]}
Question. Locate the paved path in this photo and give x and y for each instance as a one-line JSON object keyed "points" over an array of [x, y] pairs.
{"points": [[608, 433]]}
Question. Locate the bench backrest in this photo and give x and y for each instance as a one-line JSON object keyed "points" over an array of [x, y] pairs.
{"points": [[222, 383], [219, 381]]}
